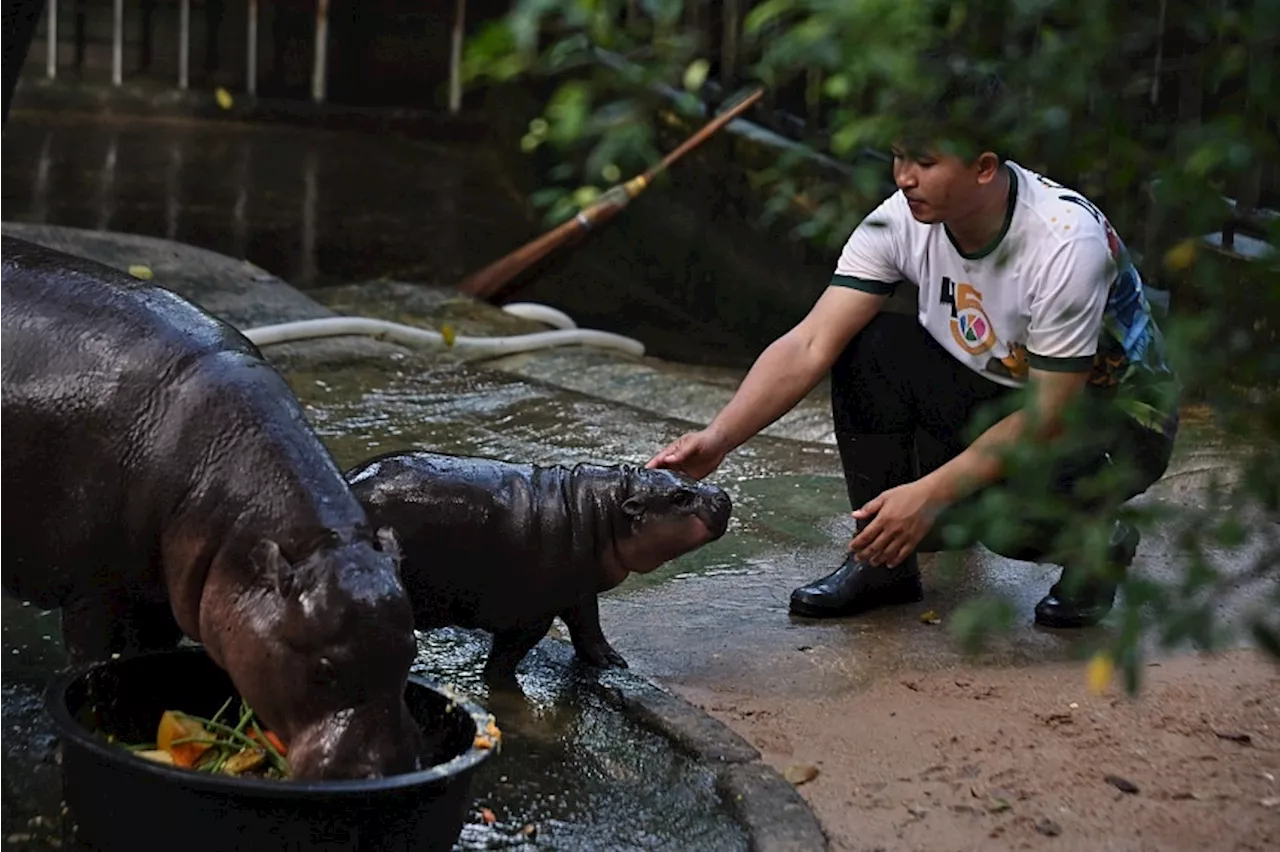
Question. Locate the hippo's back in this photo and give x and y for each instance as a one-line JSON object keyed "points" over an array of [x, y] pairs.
{"points": [[464, 503], [71, 314], [89, 355]]}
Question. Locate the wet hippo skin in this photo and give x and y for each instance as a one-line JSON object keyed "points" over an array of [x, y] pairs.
{"points": [[507, 547], [162, 480]]}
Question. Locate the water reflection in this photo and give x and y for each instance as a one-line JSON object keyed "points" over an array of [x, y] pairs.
{"points": [[313, 206], [685, 271]]}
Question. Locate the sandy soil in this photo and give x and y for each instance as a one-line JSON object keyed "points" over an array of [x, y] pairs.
{"points": [[994, 759]]}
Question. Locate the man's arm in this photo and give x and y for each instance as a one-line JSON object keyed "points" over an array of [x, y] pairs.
{"points": [[866, 273], [981, 463], [899, 518], [793, 364]]}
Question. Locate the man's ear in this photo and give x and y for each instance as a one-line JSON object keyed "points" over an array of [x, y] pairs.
{"points": [[987, 166]]}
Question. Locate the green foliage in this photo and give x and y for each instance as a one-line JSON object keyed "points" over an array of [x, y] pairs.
{"points": [[1156, 111]]}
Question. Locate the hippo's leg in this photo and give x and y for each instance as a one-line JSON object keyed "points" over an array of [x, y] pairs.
{"points": [[510, 646], [583, 621], [95, 628]]}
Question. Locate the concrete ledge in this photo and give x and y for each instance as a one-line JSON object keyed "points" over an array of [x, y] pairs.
{"points": [[694, 731], [145, 97], [774, 814]]}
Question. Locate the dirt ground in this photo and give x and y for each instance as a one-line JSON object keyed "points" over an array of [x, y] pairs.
{"points": [[1028, 758]]}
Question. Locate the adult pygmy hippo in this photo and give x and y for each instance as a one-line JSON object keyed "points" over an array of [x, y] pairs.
{"points": [[507, 547], [162, 479]]}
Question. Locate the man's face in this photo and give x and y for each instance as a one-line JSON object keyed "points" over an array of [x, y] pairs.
{"points": [[941, 187]]}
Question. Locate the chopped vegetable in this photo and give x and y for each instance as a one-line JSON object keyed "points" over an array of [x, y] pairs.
{"points": [[491, 737], [212, 745]]}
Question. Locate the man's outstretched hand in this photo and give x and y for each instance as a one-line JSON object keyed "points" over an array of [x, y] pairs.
{"points": [[901, 518], [694, 454]]}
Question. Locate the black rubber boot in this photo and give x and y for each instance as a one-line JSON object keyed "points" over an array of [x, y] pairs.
{"points": [[1075, 602], [872, 464], [857, 587]]}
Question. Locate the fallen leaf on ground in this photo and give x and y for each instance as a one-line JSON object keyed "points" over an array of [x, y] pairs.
{"points": [[930, 617], [800, 773], [1122, 784], [137, 270], [1099, 673], [1048, 827]]}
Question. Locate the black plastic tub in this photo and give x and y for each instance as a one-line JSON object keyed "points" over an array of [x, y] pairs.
{"points": [[119, 801]]}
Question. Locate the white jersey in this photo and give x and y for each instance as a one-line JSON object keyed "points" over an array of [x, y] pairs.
{"points": [[1035, 296]]}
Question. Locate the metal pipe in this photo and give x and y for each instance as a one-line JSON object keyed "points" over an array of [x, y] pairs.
{"points": [[51, 48], [251, 60], [322, 31], [455, 57], [117, 43], [40, 187], [731, 30], [173, 187], [107, 183], [240, 212], [184, 43], [310, 201]]}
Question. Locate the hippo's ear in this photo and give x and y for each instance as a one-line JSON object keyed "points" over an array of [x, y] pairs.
{"points": [[272, 566], [633, 506], [389, 544]]}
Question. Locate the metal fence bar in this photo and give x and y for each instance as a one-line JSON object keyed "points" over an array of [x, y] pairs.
{"points": [[251, 50], [117, 43], [184, 43], [51, 49], [322, 32], [455, 57]]}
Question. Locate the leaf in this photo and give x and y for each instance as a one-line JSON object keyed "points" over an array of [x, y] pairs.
{"points": [[1099, 672], [765, 13], [448, 334], [696, 74], [223, 98], [1180, 256], [139, 271]]}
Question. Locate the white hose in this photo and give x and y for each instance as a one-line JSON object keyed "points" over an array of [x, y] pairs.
{"points": [[288, 332], [553, 317]]}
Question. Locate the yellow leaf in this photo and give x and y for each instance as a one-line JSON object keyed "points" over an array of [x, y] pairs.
{"points": [[584, 195], [611, 173], [1099, 672], [224, 97], [1180, 256], [137, 270], [696, 74], [930, 617], [449, 335]]}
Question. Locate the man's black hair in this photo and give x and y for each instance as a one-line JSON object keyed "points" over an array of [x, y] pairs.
{"points": [[955, 103]]}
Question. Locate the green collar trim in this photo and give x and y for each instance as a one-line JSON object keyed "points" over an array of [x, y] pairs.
{"points": [[1004, 229]]}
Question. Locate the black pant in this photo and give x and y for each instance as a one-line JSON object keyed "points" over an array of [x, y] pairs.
{"points": [[903, 406]]}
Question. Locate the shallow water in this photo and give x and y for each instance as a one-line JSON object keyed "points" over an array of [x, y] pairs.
{"points": [[570, 765]]}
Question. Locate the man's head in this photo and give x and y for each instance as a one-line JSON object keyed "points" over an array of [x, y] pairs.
{"points": [[947, 160]]}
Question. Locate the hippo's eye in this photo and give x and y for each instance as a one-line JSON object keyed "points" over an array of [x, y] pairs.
{"points": [[325, 671]]}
